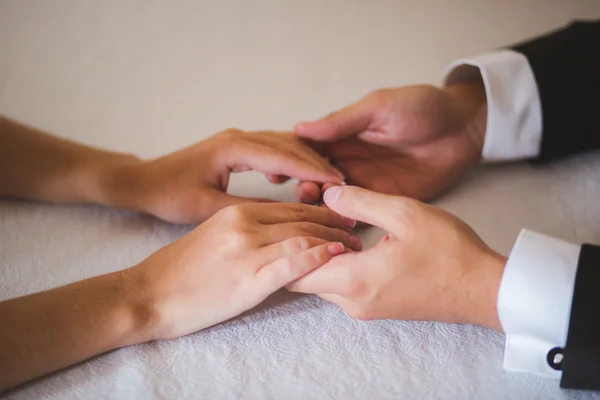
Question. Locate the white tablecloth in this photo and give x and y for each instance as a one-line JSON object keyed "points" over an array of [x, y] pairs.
{"points": [[151, 76]]}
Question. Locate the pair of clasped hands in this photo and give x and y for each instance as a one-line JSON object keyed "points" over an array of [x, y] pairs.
{"points": [[394, 148]]}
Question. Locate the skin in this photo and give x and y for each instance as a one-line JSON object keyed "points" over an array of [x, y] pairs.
{"points": [[413, 141], [197, 281], [403, 277], [406, 144], [187, 186]]}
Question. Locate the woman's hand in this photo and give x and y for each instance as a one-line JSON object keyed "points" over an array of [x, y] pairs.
{"points": [[226, 266], [233, 261], [190, 185]]}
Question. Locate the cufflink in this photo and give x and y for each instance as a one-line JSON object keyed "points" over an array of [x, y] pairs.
{"points": [[555, 358]]}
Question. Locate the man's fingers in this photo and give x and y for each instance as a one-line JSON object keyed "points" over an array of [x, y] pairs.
{"points": [[311, 192], [277, 179], [269, 161], [308, 192], [333, 278], [374, 208], [284, 270], [278, 232], [348, 121]]}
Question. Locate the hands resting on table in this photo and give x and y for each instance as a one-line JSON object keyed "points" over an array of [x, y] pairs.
{"points": [[407, 143]]}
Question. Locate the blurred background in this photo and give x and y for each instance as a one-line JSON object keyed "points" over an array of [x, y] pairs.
{"points": [[112, 72]]}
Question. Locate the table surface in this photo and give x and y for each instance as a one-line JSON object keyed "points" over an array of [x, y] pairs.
{"points": [[150, 77]]}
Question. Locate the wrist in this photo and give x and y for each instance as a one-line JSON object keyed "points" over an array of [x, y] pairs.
{"points": [[112, 180], [483, 291], [137, 308], [469, 106]]}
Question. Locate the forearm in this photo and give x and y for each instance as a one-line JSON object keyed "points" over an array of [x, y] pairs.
{"points": [[47, 331], [36, 165]]}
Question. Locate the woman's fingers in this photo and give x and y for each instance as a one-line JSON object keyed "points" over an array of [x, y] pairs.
{"points": [[294, 212], [271, 161], [292, 145], [277, 233], [288, 247]]}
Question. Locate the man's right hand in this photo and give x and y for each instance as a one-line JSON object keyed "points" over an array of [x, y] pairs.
{"points": [[431, 266], [413, 141]]}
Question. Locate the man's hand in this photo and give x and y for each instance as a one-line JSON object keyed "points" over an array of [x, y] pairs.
{"points": [[226, 266], [431, 266], [413, 141]]}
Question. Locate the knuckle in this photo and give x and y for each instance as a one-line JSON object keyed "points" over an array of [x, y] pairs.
{"points": [[302, 244], [378, 95], [351, 286], [238, 239], [305, 229], [315, 258], [359, 195], [231, 132], [297, 245], [299, 211], [228, 136], [406, 210], [286, 266], [236, 214]]}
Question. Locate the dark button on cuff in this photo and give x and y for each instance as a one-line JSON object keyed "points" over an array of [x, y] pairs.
{"points": [[555, 358]]}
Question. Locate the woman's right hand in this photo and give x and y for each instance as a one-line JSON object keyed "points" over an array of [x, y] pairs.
{"points": [[234, 261]]}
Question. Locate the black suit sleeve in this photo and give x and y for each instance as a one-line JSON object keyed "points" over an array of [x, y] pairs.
{"points": [[581, 355], [566, 66]]}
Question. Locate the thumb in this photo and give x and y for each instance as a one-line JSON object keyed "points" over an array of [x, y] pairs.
{"points": [[364, 205], [349, 121]]}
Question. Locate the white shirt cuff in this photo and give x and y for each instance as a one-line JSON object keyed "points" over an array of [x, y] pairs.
{"points": [[534, 301], [514, 119]]}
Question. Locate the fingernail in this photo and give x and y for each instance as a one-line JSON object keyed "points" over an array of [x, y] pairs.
{"points": [[356, 242], [332, 194], [338, 173], [301, 127], [335, 248], [348, 222]]}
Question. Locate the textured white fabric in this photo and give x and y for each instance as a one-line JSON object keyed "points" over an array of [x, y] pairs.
{"points": [[149, 77], [292, 347], [514, 114], [534, 301]]}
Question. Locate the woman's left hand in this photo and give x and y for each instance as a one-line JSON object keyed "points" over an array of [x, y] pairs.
{"points": [[190, 185]]}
